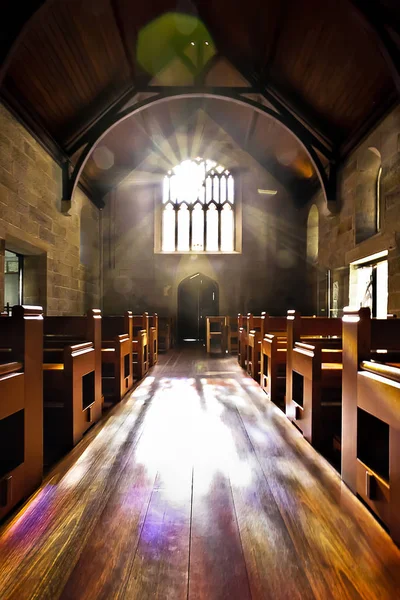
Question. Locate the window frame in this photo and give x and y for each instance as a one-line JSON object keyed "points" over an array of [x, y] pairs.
{"points": [[20, 259], [236, 207]]}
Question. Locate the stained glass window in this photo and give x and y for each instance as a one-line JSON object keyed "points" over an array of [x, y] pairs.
{"points": [[198, 208]]}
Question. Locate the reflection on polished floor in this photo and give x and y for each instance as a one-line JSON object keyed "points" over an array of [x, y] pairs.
{"points": [[195, 487]]}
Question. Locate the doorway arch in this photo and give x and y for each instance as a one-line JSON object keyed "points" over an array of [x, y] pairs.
{"points": [[198, 297]]}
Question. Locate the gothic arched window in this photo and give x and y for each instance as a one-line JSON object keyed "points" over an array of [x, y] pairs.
{"points": [[368, 195], [312, 235], [198, 213]]}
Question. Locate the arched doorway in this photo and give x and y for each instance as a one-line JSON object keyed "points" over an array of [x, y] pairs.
{"points": [[197, 299]]}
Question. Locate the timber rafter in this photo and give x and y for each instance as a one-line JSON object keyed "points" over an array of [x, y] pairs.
{"points": [[328, 181]]}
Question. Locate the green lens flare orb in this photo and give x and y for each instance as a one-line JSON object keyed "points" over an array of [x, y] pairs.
{"points": [[175, 42]]}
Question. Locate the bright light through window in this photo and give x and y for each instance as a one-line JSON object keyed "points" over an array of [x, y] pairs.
{"points": [[198, 208], [169, 229], [212, 229], [183, 228]]}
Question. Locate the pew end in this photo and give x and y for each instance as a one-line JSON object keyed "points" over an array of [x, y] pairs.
{"points": [[21, 406]]}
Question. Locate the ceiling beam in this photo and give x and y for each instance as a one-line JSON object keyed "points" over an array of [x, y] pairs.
{"points": [[327, 182], [251, 128], [323, 139], [282, 174], [369, 15], [292, 123], [159, 89], [285, 100], [81, 138], [288, 107]]}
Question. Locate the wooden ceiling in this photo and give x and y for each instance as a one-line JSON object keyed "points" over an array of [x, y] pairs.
{"points": [[331, 64]]}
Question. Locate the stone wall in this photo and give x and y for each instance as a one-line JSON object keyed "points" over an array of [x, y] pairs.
{"points": [[266, 275], [338, 237], [32, 224]]}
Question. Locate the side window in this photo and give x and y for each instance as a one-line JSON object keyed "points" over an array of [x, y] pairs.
{"points": [[368, 196], [312, 235]]}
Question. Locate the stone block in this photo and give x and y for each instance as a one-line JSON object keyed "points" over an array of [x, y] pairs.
{"points": [[345, 225], [392, 200], [60, 231], [52, 306], [29, 225], [4, 194], [9, 216], [40, 217], [394, 266], [5, 159], [392, 217], [57, 292], [21, 159], [391, 176], [25, 194], [66, 307], [8, 180], [29, 150], [74, 284], [46, 235], [65, 270], [394, 302], [394, 284], [389, 144]]}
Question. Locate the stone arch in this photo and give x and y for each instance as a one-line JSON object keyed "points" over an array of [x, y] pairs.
{"points": [[327, 182], [367, 204]]}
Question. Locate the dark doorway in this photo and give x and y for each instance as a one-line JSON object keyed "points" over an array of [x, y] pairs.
{"points": [[197, 299]]}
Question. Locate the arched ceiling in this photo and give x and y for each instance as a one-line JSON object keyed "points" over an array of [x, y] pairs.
{"points": [[333, 66], [182, 128]]}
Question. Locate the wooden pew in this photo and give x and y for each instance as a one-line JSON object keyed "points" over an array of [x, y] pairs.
{"points": [[273, 360], [140, 348], [21, 405], [242, 340], [153, 339], [232, 335], [116, 356], [371, 413], [245, 325], [314, 379], [216, 332], [255, 328], [71, 380]]}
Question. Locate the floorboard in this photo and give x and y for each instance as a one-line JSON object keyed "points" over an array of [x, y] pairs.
{"points": [[195, 487]]}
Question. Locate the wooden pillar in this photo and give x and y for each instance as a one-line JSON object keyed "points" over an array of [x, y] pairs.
{"points": [[293, 326], [356, 348]]}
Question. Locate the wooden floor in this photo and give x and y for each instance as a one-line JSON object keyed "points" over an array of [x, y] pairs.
{"points": [[195, 487]]}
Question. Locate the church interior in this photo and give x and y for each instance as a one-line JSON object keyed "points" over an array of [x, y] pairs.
{"points": [[200, 300]]}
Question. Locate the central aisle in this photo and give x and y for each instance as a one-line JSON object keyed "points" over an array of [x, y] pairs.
{"points": [[196, 487]]}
